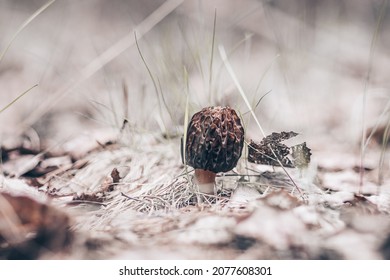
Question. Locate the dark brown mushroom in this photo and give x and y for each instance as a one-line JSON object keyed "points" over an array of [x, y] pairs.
{"points": [[215, 138]]}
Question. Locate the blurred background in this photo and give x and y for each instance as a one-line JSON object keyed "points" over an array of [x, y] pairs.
{"points": [[320, 68]]}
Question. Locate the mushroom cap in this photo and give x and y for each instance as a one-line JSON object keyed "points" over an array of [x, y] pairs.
{"points": [[215, 138]]}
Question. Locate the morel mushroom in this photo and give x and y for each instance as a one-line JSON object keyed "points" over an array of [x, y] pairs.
{"points": [[215, 138]]}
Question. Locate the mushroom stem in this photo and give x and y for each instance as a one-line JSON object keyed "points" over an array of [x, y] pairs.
{"points": [[205, 180]]}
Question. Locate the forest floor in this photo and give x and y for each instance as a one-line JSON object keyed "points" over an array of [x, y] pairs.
{"points": [[90, 159], [115, 201]]}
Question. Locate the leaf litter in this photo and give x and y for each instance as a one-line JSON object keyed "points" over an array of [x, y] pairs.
{"points": [[122, 199], [109, 197]]}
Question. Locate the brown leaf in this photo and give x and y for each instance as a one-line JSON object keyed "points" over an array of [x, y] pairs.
{"points": [[29, 228], [301, 155], [110, 182], [270, 151], [115, 176]]}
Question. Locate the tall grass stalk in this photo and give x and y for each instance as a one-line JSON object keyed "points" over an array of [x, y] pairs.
{"points": [[14, 36], [385, 140], [186, 118], [17, 98], [242, 93], [154, 85], [211, 99], [366, 85], [103, 59], [24, 25]]}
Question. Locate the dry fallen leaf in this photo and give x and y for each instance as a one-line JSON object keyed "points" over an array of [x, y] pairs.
{"points": [[29, 229], [270, 151], [301, 155]]}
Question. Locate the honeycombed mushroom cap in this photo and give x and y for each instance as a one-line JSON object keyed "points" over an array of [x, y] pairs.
{"points": [[215, 138]]}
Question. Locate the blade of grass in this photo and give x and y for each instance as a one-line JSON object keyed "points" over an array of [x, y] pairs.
{"points": [[125, 100], [163, 126], [229, 54], [266, 72], [24, 25], [194, 54], [385, 140], [237, 84], [163, 99], [212, 58], [366, 85], [260, 82], [258, 102], [5, 108], [377, 124], [107, 56], [242, 93], [186, 117], [17, 98]]}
